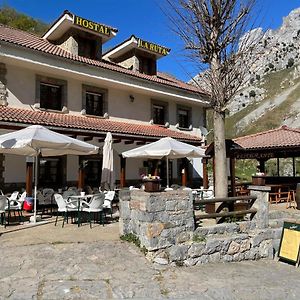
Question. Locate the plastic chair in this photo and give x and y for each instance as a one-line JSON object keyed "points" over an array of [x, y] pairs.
{"points": [[13, 205], [69, 193], [95, 206], [64, 207], [107, 205]]}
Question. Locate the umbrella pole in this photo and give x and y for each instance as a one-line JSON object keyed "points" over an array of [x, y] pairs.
{"points": [[167, 172], [35, 187]]}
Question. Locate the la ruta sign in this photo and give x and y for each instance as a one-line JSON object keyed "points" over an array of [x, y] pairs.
{"points": [[99, 28], [153, 47]]}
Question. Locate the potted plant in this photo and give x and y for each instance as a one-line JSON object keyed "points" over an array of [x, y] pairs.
{"points": [[151, 182]]}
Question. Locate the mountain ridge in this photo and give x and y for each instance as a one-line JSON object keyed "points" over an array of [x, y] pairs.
{"points": [[271, 96]]}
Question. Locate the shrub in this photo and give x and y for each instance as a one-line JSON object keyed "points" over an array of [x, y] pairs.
{"points": [[252, 93], [290, 63]]}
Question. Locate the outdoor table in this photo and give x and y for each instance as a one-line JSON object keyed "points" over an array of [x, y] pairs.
{"points": [[79, 199]]}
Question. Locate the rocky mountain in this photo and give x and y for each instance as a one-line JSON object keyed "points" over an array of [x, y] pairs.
{"points": [[271, 96]]}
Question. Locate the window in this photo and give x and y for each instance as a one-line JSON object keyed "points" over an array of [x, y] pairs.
{"points": [[50, 96], [92, 172], [94, 104], [94, 100], [184, 117], [159, 112], [87, 48], [51, 93], [147, 65], [50, 171]]}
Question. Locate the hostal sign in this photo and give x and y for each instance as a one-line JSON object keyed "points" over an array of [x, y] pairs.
{"points": [[153, 47], [100, 28]]}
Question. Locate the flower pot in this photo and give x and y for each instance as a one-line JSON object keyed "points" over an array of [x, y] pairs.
{"points": [[152, 185], [258, 180]]}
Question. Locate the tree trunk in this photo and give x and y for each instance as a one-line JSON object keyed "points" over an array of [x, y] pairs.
{"points": [[221, 181]]}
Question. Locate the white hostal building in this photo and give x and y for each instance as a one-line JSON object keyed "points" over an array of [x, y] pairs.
{"points": [[64, 82]]}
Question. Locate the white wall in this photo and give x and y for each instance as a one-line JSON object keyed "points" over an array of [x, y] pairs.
{"points": [[14, 168], [20, 85], [72, 167]]}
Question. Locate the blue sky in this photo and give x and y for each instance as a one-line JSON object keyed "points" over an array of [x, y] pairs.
{"points": [[143, 18]]}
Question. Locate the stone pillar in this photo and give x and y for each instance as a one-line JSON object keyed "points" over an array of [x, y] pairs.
{"points": [[159, 219], [261, 218]]}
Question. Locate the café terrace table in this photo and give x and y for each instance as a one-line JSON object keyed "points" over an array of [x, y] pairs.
{"points": [[79, 199]]}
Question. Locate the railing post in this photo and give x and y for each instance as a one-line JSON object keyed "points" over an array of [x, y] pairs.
{"points": [[261, 218]]}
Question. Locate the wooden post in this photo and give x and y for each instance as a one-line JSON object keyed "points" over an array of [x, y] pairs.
{"points": [[183, 176], [262, 167], [294, 167], [81, 178], [214, 173], [123, 172], [156, 173], [29, 173], [205, 174]]}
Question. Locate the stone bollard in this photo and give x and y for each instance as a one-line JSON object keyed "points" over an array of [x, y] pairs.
{"points": [[261, 218], [158, 219]]}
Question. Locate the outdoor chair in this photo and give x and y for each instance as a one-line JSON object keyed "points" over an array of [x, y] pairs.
{"points": [[95, 206], [13, 205], [68, 193], [13, 196], [64, 207], [3, 203], [107, 205]]}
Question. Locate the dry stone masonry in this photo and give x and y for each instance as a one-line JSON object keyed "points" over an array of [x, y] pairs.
{"points": [[164, 224]]}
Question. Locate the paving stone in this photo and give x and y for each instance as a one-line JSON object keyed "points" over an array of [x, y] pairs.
{"points": [[48, 262]]}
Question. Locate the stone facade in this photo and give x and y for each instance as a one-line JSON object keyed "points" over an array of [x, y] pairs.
{"points": [[164, 223]]}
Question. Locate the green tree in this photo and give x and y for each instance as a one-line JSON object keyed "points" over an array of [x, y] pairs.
{"points": [[12, 18]]}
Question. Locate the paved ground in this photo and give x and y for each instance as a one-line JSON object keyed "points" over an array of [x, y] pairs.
{"points": [[48, 262]]}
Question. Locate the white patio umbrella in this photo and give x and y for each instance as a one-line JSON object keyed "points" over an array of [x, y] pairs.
{"points": [[166, 148], [37, 140], [107, 175]]}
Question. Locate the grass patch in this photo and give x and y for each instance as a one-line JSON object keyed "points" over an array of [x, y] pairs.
{"points": [[198, 238], [274, 118], [132, 238]]}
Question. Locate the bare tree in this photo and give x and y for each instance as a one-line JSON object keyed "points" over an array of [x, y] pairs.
{"points": [[214, 33]]}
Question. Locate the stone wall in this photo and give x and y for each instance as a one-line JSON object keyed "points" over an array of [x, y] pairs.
{"points": [[159, 220], [164, 223]]}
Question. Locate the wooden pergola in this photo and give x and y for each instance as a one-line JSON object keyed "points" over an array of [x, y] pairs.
{"points": [[283, 142]]}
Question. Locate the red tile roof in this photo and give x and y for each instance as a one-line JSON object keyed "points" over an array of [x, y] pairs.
{"points": [[271, 139], [31, 41], [11, 116]]}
